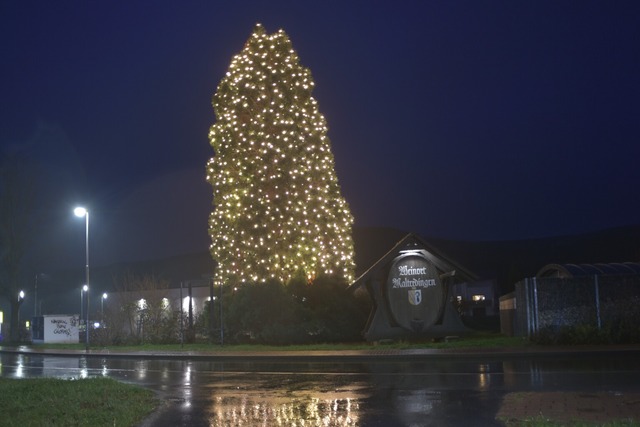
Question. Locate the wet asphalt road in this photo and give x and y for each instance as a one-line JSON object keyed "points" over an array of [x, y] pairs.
{"points": [[429, 392]]}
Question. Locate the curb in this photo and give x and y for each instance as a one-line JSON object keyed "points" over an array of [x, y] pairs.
{"points": [[348, 355]]}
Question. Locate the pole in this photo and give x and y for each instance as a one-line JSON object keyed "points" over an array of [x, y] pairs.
{"points": [[536, 313], [211, 313], [191, 336], [35, 298], [597, 289], [20, 300], [181, 319], [221, 322], [87, 273]]}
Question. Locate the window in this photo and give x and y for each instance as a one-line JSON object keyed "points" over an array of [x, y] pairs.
{"points": [[477, 298]]}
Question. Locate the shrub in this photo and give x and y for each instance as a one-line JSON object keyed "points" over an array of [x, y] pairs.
{"points": [[296, 313], [615, 333]]}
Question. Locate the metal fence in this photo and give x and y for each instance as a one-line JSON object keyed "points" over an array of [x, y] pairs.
{"points": [[588, 300]]}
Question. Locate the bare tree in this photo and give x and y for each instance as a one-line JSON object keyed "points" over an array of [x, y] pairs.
{"points": [[16, 214], [143, 308]]}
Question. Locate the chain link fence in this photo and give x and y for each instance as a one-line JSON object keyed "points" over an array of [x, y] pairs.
{"points": [[543, 304]]}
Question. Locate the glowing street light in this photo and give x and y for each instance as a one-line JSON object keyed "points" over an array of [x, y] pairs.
{"points": [[82, 212], [104, 297]]}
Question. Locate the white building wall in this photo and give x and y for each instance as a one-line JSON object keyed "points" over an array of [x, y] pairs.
{"points": [[60, 329]]}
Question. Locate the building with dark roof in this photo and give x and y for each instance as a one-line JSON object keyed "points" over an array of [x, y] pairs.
{"points": [[578, 270], [410, 287]]}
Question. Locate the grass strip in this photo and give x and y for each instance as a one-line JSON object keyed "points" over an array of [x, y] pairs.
{"points": [[569, 408], [82, 402], [541, 421]]}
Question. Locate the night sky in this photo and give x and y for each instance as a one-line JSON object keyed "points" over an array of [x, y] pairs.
{"points": [[472, 120]]}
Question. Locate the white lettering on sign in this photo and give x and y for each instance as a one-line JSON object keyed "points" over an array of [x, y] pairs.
{"points": [[413, 283], [405, 270]]}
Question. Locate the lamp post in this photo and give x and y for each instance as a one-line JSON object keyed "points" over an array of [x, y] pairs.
{"points": [[35, 298], [37, 306], [82, 212], [20, 300], [104, 297], [83, 290]]}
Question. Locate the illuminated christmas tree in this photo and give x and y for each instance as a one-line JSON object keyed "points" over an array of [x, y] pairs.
{"points": [[278, 211]]}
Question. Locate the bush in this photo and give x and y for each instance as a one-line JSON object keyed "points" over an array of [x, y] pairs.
{"points": [[336, 315], [296, 313], [620, 332], [263, 312]]}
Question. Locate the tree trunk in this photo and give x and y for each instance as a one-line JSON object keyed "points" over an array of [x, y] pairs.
{"points": [[14, 325]]}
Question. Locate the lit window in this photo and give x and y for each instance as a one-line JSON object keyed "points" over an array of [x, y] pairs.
{"points": [[185, 303], [478, 298]]}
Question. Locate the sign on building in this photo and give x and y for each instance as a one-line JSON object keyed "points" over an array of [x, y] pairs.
{"points": [[409, 287], [414, 292]]}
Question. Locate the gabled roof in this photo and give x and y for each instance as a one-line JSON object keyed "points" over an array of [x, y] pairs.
{"points": [[577, 270], [413, 241]]}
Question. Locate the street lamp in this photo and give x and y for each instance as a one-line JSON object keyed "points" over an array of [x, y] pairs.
{"points": [[20, 299], [82, 212], [82, 291], [104, 297]]}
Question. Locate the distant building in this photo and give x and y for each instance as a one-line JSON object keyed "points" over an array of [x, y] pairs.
{"points": [[476, 299], [55, 329], [189, 299], [565, 271]]}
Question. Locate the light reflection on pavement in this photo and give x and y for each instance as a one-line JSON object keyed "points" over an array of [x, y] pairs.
{"points": [[334, 393]]}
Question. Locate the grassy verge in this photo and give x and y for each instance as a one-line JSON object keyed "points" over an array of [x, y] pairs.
{"points": [[544, 422], [56, 402], [568, 408], [478, 341]]}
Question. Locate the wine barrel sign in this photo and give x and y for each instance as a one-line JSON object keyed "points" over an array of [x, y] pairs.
{"points": [[414, 292]]}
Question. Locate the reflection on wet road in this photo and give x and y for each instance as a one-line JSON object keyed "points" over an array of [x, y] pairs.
{"points": [[432, 392]]}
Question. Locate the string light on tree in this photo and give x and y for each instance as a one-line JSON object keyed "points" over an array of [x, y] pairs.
{"points": [[278, 210]]}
